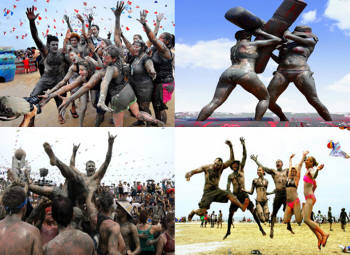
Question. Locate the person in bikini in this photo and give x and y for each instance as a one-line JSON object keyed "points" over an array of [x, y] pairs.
{"points": [[310, 199]]}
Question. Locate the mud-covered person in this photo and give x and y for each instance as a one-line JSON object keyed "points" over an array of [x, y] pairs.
{"points": [[28, 242]]}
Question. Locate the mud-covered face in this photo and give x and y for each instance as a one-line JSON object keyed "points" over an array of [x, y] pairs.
{"points": [[218, 163], [235, 166], [90, 168], [107, 59], [260, 172], [53, 46], [163, 39], [279, 164], [74, 42], [73, 57], [137, 48], [83, 72], [293, 172], [94, 31], [136, 38]]}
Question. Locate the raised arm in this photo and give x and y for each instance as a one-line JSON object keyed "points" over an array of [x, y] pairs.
{"points": [[81, 19], [159, 18], [117, 30], [31, 17], [244, 158], [161, 47], [310, 42], [232, 156], [66, 18], [319, 168], [196, 171], [290, 165], [127, 44], [74, 154], [110, 73], [101, 172], [266, 169]]}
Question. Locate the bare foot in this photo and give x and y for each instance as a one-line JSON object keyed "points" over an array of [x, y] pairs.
{"points": [[324, 240]]}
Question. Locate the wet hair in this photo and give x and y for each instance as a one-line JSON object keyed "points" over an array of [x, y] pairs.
{"points": [[139, 36], [62, 210], [90, 161], [105, 201], [314, 162], [305, 29], [13, 199], [107, 41], [74, 35], [168, 220], [90, 67], [141, 43], [220, 159], [235, 162], [242, 34], [51, 38], [113, 51], [94, 25], [143, 216], [170, 38]]}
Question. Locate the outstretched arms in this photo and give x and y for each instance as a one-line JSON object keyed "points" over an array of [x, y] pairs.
{"points": [[266, 169], [101, 172], [196, 171], [110, 73]]}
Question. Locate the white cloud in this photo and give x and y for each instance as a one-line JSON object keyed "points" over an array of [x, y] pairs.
{"points": [[339, 11], [342, 85], [309, 17], [214, 54]]}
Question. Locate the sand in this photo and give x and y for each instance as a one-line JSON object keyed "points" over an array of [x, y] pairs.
{"points": [[23, 84], [245, 237]]}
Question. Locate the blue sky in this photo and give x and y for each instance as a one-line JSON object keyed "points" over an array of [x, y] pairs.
{"points": [[270, 144], [52, 11], [134, 157], [204, 38]]}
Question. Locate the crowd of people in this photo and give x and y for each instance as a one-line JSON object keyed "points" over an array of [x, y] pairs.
{"points": [[286, 195], [25, 57], [117, 75], [84, 216]]}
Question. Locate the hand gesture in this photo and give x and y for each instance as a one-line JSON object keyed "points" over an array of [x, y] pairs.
{"points": [[90, 18], [320, 167], [119, 8], [75, 147], [242, 140], [30, 14], [104, 107], [66, 18], [228, 142], [254, 157], [62, 108], [160, 16], [188, 176], [143, 16], [79, 17], [111, 138], [45, 98], [305, 153], [292, 156]]}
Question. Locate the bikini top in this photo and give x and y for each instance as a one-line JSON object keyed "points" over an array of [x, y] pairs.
{"points": [[310, 180], [170, 244], [291, 183]]}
